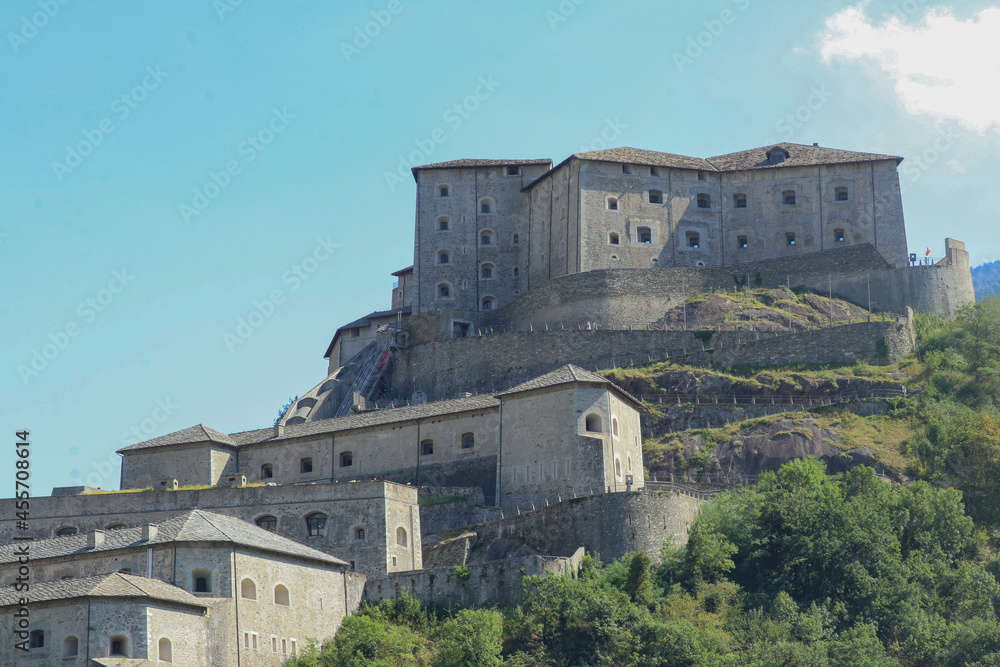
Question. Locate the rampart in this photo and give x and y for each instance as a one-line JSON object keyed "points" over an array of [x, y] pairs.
{"points": [[476, 585], [485, 363]]}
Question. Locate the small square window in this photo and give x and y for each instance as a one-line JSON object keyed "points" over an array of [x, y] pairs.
{"points": [[443, 191], [840, 194], [838, 235], [644, 235], [513, 171], [739, 201], [788, 197], [741, 242], [789, 238], [693, 239], [704, 201], [655, 197]]}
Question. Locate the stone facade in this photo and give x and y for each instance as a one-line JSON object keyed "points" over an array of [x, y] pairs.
{"points": [[377, 509]]}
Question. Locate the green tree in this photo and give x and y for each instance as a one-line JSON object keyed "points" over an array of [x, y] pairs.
{"points": [[470, 639]]}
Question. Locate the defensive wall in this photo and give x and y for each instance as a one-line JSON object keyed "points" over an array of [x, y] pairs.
{"points": [[378, 508], [498, 583], [485, 363]]}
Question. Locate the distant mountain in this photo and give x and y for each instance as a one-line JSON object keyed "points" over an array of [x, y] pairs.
{"points": [[986, 279]]}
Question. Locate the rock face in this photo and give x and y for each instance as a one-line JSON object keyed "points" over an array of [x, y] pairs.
{"points": [[769, 446]]}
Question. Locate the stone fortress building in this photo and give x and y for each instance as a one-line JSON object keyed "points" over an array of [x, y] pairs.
{"points": [[525, 275]]}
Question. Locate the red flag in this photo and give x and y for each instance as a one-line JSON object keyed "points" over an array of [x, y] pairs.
{"points": [[928, 253]]}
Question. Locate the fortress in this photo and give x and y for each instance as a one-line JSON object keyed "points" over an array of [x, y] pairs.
{"points": [[470, 406]]}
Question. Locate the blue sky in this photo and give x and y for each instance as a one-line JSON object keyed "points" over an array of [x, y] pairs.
{"points": [[173, 167]]}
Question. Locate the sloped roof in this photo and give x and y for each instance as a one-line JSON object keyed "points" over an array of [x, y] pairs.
{"points": [[568, 374], [191, 526], [115, 585], [401, 272], [366, 419], [467, 163], [630, 155], [194, 434], [366, 320], [799, 155]]}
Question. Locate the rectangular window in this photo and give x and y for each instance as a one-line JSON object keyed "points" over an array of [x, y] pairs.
{"points": [[513, 171], [790, 238], [246, 640], [741, 242], [253, 640], [274, 644]]}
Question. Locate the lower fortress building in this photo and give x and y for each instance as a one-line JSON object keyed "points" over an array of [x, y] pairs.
{"points": [[464, 425]]}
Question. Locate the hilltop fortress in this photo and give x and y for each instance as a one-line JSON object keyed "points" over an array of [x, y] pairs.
{"points": [[470, 406]]}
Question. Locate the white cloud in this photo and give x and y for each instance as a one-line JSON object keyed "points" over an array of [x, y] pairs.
{"points": [[943, 67]]}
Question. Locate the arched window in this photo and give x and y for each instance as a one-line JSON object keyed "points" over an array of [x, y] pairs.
{"points": [[359, 533], [114, 526], [838, 235], [346, 459], [487, 271], [486, 206], [486, 237], [630, 463], [118, 646], [655, 196], [444, 291], [741, 242], [488, 303], [442, 191], [468, 440], [401, 540], [613, 238], [739, 201], [444, 257], [248, 589], [704, 201], [693, 239], [316, 524], [612, 204], [426, 447], [788, 197], [36, 639], [614, 426], [66, 531], [305, 465], [281, 595], [618, 467], [166, 651], [201, 581], [71, 647], [593, 424], [268, 522], [266, 471], [840, 193], [644, 235], [443, 224]]}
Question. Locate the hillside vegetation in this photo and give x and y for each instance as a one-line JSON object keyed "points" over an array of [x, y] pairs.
{"points": [[803, 569], [986, 279]]}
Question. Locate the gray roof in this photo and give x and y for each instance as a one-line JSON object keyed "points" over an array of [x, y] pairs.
{"points": [[115, 585], [408, 269], [367, 419], [568, 374], [191, 526], [366, 320], [194, 434], [799, 155], [469, 163], [629, 155]]}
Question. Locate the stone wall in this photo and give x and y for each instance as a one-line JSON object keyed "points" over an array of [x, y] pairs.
{"points": [[377, 507], [484, 364], [609, 524], [497, 583]]}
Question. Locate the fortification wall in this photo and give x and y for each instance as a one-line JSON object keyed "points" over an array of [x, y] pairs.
{"points": [[610, 524], [484, 584], [483, 364]]}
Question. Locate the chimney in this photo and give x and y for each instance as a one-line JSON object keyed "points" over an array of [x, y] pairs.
{"points": [[148, 532], [95, 538], [815, 144]]}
